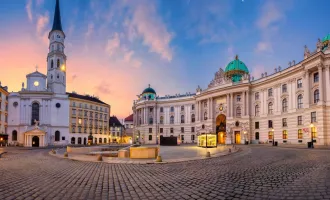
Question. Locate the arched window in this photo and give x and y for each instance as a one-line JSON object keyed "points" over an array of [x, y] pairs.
{"points": [[205, 116], [73, 140], [14, 135], [100, 140], [316, 96], [284, 105], [172, 119], [95, 140], [182, 119], [238, 112], [52, 64], [57, 136], [300, 101], [51, 76], [270, 108], [193, 118], [161, 120], [35, 113], [58, 63], [257, 110]]}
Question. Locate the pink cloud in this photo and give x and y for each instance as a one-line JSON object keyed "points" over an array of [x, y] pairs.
{"points": [[28, 9]]}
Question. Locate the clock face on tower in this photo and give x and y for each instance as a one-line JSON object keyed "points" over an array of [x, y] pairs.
{"points": [[36, 83]]}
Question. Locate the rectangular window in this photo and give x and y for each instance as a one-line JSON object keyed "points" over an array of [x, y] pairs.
{"points": [[313, 130], [150, 137], [73, 111], [284, 88], [150, 130], [151, 109], [182, 137], [79, 121], [256, 125], [285, 134], [192, 107], [270, 135], [238, 98], [192, 137], [316, 77], [256, 96], [182, 129], [299, 120], [270, 124], [270, 92], [182, 108], [284, 122], [161, 130], [171, 130], [300, 134], [313, 117], [299, 83], [172, 109], [192, 129]]}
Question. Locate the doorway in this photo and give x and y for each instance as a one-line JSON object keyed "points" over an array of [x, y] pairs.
{"points": [[237, 137], [35, 141], [221, 129]]}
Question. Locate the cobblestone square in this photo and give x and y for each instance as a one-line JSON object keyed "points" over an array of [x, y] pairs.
{"points": [[254, 173]]}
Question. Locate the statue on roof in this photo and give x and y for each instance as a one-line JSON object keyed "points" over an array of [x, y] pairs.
{"points": [[199, 89], [319, 45], [306, 52]]}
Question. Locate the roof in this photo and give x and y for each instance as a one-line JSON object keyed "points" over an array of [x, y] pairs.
{"points": [[326, 38], [57, 25], [129, 118], [36, 74], [149, 90], [85, 97], [236, 65], [114, 120]]}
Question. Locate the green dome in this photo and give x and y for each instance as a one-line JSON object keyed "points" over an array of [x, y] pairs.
{"points": [[326, 38], [236, 65], [149, 93], [149, 90]]}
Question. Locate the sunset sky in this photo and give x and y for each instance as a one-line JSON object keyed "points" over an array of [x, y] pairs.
{"points": [[115, 48]]}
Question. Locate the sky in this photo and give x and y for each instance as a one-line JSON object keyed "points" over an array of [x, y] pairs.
{"points": [[115, 48]]}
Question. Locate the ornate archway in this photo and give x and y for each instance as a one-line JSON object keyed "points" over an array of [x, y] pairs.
{"points": [[221, 128]]}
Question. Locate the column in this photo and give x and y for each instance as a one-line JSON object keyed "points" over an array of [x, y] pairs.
{"points": [[248, 103], [306, 89], [327, 83], [232, 105], [321, 83], [243, 107], [212, 109], [228, 106]]}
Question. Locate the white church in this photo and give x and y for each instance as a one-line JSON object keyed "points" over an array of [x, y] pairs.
{"points": [[39, 112]]}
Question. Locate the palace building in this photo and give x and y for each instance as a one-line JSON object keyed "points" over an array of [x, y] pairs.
{"points": [[290, 105]]}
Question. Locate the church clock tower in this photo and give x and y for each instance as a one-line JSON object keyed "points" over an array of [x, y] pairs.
{"points": [[56, 59]]}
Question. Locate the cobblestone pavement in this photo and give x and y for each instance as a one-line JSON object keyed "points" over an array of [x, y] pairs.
{"points": [[255, 173]]}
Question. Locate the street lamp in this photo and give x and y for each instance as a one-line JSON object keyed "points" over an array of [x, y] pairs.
{"points": [[273, 136], [312, 126], [244, 136]]}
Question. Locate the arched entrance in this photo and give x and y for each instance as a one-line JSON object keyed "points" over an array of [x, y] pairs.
{"points": [[35, 141], [221, 129]]}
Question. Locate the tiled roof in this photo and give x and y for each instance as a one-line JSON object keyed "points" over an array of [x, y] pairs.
{"points": [[129, 118], [86, 97], [114, 120]]}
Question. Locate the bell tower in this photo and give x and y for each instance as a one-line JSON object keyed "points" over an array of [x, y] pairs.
{"points": [[56, 59]]}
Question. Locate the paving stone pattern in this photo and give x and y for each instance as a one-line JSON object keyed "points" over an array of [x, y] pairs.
{"points": [[255, 173]]}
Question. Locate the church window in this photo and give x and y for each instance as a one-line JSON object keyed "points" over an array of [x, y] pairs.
{"points": [[57, 136], [193, 118], [182, 119], [58, 63], [205, 116], [51, 76], [35, 113], [58, 76], [14, 135], [52, 64]]}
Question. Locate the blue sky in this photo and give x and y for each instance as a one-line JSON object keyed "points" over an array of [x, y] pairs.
{"points": [[116, 48]]}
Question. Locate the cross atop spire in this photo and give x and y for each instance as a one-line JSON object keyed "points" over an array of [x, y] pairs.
{"points": [[37, 68], [57, 25], [149, 85]]}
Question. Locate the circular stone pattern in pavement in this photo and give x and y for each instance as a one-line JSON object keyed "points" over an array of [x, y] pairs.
{"points": [[259, 173]]}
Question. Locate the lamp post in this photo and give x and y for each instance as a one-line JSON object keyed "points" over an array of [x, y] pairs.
{"points": [[273, 136], [312, 126]]}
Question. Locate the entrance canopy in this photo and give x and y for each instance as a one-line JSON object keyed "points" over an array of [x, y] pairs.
{"points": [[28, 137]]}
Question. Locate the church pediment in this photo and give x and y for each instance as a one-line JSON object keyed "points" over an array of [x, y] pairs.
{"points": [[35, 132]]}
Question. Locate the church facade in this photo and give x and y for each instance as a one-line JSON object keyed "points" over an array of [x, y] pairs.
{"points": [[39, 112], [290, 106]]}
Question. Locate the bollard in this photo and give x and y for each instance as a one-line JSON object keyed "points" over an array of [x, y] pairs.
{"points": [[66, 154], [99, 158], [208, 154], [159, 159]]}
